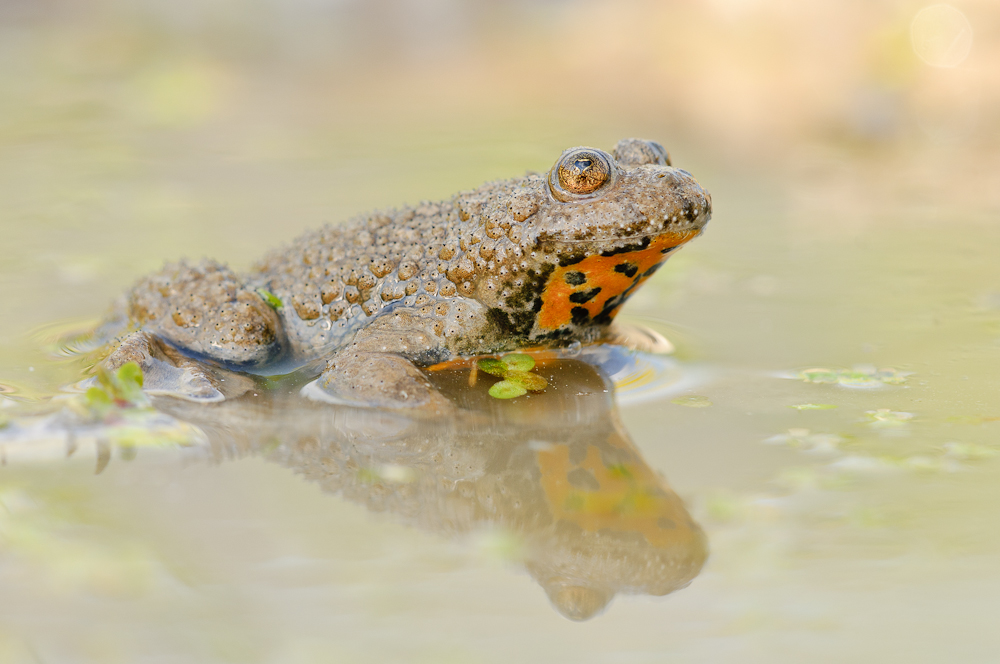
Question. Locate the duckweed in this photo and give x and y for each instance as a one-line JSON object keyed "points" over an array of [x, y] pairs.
{"points": [[505, 389], [692, 401], [492, 366], [969, 451], [272, 300], [515, 369], [859, 376], [529, 381], [883, 417], [805, 440], [119, 390]]}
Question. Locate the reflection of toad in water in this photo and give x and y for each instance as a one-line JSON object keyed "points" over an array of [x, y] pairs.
{"points": [[557, 470]]}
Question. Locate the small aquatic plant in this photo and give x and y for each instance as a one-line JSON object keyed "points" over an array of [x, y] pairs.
{"points": [[116, 412], [860, 376], [692, 401], [119, 390], [883, 417], [516, 371], [272, 300]]}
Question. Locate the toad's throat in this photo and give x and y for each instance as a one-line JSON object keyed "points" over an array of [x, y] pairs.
{"points": [[592, 290]]}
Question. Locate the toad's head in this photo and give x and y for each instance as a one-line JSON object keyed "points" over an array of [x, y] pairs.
{"points": [[587, 235]]}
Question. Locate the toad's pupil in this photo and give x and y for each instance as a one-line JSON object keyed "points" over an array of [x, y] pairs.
{"points": [[582, 164]]}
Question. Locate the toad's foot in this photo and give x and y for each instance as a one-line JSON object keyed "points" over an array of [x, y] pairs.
{"points": [[639, 337], [377, 380], [168, 373]]}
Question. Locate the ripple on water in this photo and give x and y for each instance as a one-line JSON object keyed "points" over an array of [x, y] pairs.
{"points": [[639, 377], [68, 339]]}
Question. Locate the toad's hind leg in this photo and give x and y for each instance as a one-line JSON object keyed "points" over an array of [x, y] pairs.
{"points": [[168, 373], [206, 309]]}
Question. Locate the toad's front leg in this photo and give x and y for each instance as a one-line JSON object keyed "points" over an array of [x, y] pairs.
{"points": [[377, 369], [377, 380]]}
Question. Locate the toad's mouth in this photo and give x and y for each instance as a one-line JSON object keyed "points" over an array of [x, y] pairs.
{"points": [[673, 229], [668, 238]]}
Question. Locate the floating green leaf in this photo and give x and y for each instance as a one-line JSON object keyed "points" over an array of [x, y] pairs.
{"points": [[492, 366], [860, 376], [97, 400], [970, 451], [121, 389], [692, 401], [519, 362], [891, 376], [529, 381], [128, 381], [819, 375], [883, 417], [507, 390], [858, 379], [272, 300], [515, 369]]}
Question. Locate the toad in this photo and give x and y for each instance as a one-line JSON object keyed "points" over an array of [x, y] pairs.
{"points": [[541, 260]]}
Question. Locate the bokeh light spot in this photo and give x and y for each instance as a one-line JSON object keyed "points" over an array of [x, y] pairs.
{"points": [[941, 35]]}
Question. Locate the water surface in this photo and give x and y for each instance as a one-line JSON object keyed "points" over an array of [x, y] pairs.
{"points": [[829, 423]]}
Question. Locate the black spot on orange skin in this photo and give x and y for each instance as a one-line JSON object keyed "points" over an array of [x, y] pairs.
{"points": [[580, 315], [628, 269], [628, 248], [584, 296], [575, 278], [571, 259]]}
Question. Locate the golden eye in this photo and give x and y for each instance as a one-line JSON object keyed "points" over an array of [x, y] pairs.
{"points": [[580, 172]]}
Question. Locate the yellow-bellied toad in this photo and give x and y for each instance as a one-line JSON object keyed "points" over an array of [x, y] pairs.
{"points": [[536, 260]]}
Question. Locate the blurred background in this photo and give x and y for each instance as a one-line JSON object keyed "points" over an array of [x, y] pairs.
{"points": [[852, 148], [132, 132]]}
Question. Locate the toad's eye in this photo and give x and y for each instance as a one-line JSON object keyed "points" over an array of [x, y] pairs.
{"points": [[580, 173]]}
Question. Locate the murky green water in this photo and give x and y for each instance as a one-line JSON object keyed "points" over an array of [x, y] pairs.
{"points": [[831, 420]]}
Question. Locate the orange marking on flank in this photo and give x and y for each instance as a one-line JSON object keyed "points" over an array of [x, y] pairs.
{"points": [[557, 308]]}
